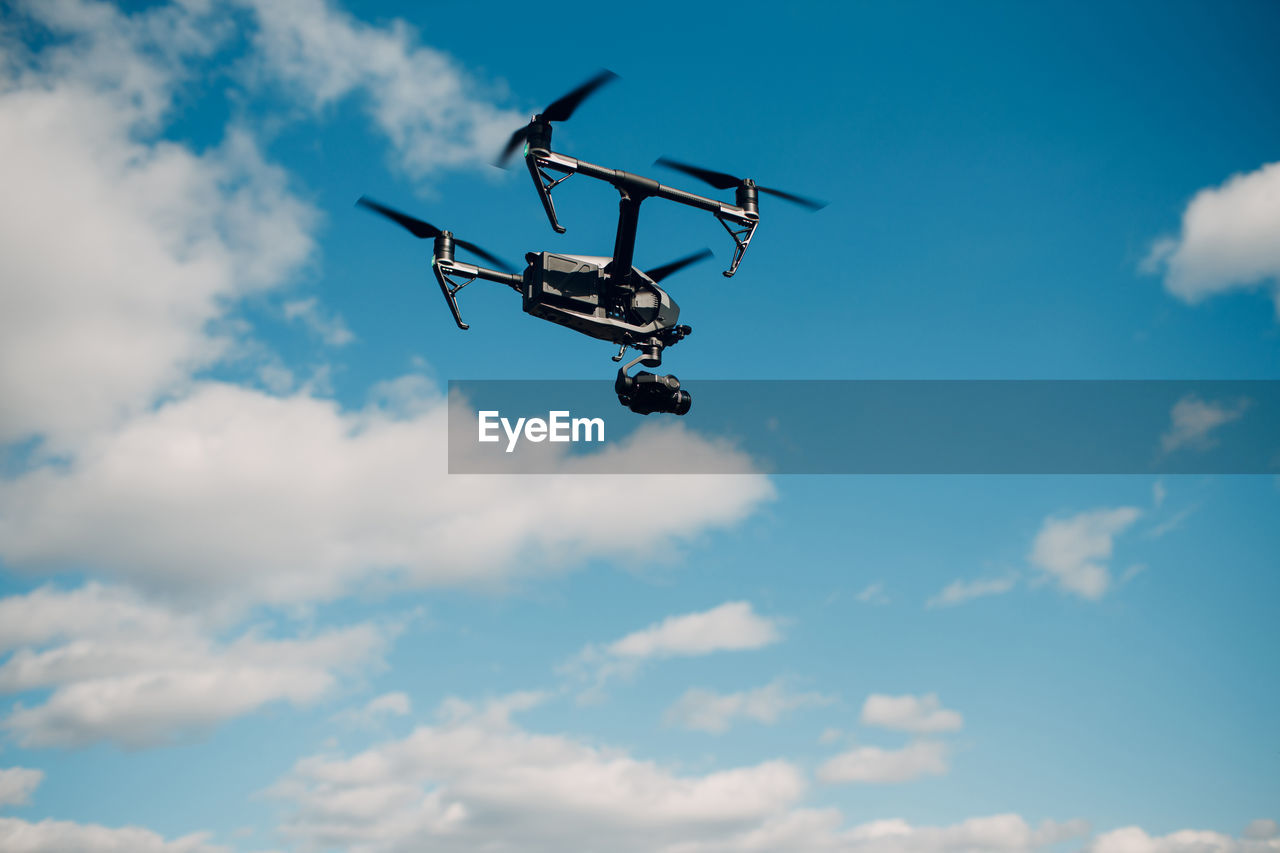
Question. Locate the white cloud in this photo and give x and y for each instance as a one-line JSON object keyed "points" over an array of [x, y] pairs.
{"points": [[1006, 832], [1132, 839], [139, 674], [17, 784], [395, 704], [436, 114], [1072, 550], [873, 594], [708, 711], [126, 252], [55, 836], [46, 614], [478, 781], [732, 626], [389, 703], [231, 492], [873, 765], [1228, 239], [960, 591], [1261, 830], [820, 830], [120, 247], [917, 714], [1192, 420], [329, 328]]}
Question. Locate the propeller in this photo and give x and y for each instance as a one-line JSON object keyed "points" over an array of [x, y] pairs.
{"points": [[659, 273], [558, 110], [725, 181], [425, 230]]}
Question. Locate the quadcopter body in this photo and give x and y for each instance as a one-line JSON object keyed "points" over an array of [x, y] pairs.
{"points": [[576, 291], [603, 297]]}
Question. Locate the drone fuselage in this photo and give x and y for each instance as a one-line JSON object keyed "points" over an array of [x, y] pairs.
{"points": [[581, 293]]}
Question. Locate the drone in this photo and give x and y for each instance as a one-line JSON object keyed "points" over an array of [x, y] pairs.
{"points": [[603, 297]]}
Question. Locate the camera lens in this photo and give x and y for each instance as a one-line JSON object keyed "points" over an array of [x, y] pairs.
{"points": [[646, 393]]}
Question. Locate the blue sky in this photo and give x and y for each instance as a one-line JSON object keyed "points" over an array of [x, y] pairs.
{"points": [[244, 608]]}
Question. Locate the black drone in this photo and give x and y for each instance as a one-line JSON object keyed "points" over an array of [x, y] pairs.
{"points": [[605, 298]]}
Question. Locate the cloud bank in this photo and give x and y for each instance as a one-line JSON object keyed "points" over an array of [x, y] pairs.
{"points": [[125, 670]]}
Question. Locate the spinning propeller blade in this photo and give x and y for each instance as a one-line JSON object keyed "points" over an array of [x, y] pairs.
{"points": [[659, 273], [416, 227], [719, 180], [516, 140], [812, 204], [424, 230], [725, 181], [562, 108], [481, 253], [558, 110]]}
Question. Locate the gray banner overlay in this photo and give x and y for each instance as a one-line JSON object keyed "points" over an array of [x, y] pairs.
{"points": [[874, 427]]}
